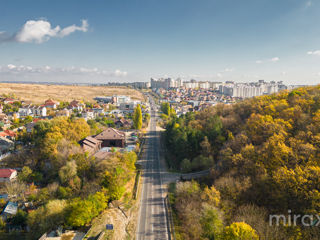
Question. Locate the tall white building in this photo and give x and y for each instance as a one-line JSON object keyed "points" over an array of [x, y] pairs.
{"points": [[165, 83], [247, 90]]}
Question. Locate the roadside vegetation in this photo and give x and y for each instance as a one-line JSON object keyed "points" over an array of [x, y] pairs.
{"points": [[167, 114], [264, 157]]}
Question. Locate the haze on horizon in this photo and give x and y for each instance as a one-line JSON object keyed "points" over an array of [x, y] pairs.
{"points": [[214, 40]]}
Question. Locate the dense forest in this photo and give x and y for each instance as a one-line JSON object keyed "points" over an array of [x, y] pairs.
{"points": [[264, 153]]}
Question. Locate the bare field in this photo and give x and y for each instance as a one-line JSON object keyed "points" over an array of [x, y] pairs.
{"points": [[38, 93]]}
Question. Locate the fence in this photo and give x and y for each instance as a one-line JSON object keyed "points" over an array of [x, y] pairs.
{"points": [[172, 235]]}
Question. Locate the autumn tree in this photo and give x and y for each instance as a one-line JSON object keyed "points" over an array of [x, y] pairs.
{"points": [[137, 117], [165, 108], [240, 231]]}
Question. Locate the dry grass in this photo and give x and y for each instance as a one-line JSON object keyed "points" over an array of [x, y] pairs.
{"points": [[38, 93]]}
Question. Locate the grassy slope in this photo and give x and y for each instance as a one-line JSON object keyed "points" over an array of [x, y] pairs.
{"points": [[38, 93]]}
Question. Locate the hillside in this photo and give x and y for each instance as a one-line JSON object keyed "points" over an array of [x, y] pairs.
{"points": [[38, 93], [265, 156]]}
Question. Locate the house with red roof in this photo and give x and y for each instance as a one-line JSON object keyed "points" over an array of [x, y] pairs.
{"points": [[76, 105], [7, 174], [9, 101], [8, 134], [51, 104]]}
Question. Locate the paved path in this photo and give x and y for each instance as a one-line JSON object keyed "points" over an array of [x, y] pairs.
{"points": [[152, 221]]}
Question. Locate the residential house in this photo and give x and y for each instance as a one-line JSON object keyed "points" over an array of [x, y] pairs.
{"points": [[98, 111], [31, 110], [118, 99], [8, 134], [51, 104], [40, 111], [6, 144], [5, 121], [10, 209], [90, 145], [117, 113], [128, 105], [7, 175], [76, 105], [111, 138], [63, 113], [88, 114], [9, 101], [25, 111], [123, 123]]}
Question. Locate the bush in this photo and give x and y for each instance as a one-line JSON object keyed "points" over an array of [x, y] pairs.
{"points": [[81, 212], [240, 231]]}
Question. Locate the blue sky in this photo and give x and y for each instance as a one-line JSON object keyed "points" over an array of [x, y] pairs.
{"points": [[133, 40]]}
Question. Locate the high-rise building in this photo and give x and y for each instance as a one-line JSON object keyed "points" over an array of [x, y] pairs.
{"points": [[165, 83], [247, 90]]}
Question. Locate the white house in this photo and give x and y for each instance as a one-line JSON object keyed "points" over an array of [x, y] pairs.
{"points": [[98, 111], [51, 104], [63, 113], [25, 111], [40, 111], [120, 99], [76, 105], [87, 115]]}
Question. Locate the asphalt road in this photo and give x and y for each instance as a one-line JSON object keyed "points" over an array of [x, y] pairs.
{"points": [[152, 221]]}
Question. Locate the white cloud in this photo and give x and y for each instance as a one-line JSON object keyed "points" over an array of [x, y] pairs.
{"points": [[88, 70], [228, 70], [68, 30], [119, 73], [39, 31], [10, 68], [274, 59], [316, 52], [219, 75]]}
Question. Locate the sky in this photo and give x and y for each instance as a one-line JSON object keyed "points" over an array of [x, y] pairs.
{"points": [[98, 41]]}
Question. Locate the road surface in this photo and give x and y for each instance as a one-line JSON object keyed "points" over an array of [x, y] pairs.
{"points": [[152, 220]]}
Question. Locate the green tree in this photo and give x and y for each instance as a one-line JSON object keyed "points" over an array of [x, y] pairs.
{"points": [[68, 171], [114, 182], [211, 223], [20, 218], [165, 108], [81, 212], [25, 174], [137, 117], [47, 217]]}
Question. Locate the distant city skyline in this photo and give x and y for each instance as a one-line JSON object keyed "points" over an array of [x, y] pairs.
{"points": [[210, 40]]}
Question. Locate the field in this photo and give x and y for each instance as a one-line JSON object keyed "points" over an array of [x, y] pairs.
{"points": [[38, 93]]}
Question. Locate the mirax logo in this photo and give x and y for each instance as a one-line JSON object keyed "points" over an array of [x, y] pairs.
{"points": [[293, 220]]}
